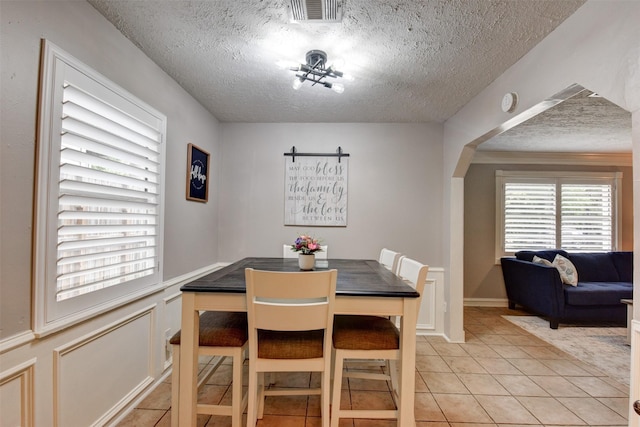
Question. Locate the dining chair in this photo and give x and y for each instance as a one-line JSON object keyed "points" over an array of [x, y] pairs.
{"points": [[288, 253], [223, 334], [365, 337], [389, 259], [290, 317]]}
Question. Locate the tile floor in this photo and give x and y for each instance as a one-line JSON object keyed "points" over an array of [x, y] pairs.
{"points": [[501, 376]]}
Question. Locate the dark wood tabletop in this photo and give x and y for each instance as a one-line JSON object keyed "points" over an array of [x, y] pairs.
{"points": [[356, 277]]}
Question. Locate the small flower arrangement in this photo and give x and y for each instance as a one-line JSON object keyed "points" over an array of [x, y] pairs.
{"points": [[307, 245]]}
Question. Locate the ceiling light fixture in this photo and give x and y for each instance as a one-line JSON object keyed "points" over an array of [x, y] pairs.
{"points": [[316, 71]]}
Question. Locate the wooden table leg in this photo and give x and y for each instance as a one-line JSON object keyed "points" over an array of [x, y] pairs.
{"points": [[406, 414], [189, 340]]}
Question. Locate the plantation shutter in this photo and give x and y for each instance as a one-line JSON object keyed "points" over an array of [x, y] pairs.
{"points": [[99, 214], [529, 216], [587, 217], [108, 200]]}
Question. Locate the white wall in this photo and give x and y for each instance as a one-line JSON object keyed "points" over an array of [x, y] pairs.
{"points": [[54, 379], [395, 188]]}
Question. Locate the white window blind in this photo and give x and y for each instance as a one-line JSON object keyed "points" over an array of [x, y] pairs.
{"points": [[99, 219], [587, 217], [573, 211], [108, 197], [529, 216]]}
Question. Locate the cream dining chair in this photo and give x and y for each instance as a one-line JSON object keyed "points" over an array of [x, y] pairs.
{"points": [[371, 337], [222, 334], [389, 259], [290, 317]]}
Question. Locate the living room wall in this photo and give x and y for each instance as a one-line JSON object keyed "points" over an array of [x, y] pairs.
{"points": [[483, 282]]}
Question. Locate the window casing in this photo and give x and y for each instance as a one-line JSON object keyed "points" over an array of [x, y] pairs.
{"points": [[99, 215], [575, 211]]}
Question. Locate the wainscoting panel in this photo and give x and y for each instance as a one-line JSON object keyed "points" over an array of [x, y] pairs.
{"points": [[17, 395], [431, 316], [98, 374], [172, 319]]}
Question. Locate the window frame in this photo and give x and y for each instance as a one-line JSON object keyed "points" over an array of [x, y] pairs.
{"points": [[50, 315], [559, 178]]}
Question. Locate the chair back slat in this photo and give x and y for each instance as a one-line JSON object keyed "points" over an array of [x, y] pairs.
{"points": [[290, 301], [288, 253], [414, 273], [389, 259], [289, 317]]}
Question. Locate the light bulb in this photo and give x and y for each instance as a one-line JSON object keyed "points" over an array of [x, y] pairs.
{"points": [[297, 84], [337, 88], [348, 77]]}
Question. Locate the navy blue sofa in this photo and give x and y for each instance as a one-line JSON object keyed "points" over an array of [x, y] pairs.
{"points": [[603, 280]]}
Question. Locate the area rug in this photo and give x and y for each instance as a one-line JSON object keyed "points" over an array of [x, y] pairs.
{"points": [[602, 347]]}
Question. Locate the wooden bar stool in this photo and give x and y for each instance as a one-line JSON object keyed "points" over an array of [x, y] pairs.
{"points": [[371, 338], [222, 334], [290, 320]]}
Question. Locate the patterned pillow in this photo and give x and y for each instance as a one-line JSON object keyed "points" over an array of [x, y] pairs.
{"points": [[536, 259], [567, 270]]}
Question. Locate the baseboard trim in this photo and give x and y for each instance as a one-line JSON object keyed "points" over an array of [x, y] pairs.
{"points": [[486, 302]]}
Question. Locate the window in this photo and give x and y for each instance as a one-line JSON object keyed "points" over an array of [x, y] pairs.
{"points": [[99, 194], [569, 210]]}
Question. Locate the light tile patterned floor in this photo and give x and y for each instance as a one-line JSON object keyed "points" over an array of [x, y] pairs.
{"points": [[501, 376]]}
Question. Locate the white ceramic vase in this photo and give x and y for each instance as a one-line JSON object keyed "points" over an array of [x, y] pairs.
{"points": [[306, 262]]}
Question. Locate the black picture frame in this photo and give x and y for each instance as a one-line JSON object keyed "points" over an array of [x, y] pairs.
{"points": [[197, 174]]}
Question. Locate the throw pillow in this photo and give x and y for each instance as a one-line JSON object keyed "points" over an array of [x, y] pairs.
{"points": [[538, 260], [567, 270]]}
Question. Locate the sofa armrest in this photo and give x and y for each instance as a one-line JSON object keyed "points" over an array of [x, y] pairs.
{"points": [[535, 286]]}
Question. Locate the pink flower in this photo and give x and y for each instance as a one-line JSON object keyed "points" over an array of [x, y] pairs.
{"points": [[306, 244]]}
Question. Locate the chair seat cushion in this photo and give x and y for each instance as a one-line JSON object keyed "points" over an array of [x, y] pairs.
{"points": [[290, 344], [220, 329], [352, 332]]}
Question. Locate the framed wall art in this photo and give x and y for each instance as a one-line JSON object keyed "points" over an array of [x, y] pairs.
{"points": [[315, 190], [197, 174]]}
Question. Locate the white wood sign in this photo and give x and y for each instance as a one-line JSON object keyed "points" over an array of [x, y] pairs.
{"points": [[315, 190]]}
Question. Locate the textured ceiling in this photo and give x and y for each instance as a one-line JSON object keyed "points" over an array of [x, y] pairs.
{"points": [[413, 61], [581, 123]]}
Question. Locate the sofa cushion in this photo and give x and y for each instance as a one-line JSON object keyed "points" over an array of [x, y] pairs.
{"points": [[568, 272], [549, 254], [597, 293], [595, 267], [624, 264], [537, 260]]}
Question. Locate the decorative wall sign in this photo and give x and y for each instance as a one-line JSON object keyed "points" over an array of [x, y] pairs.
{"points": [[197, 174], [315, 189]]}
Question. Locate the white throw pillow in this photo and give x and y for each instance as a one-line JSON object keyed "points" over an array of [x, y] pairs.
{"points": [[568, 272], [538, 260]]}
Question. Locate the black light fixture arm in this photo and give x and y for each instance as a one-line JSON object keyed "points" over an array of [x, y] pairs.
{"points": [[314, 71]]}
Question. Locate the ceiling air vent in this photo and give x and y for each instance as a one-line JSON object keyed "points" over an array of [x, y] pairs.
{"points": [[316, 10]]}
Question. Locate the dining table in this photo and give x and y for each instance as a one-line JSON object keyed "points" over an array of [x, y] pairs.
{"points": [[364, 287]]}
